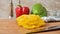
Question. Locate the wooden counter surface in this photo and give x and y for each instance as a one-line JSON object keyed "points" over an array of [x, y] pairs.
{"points": [[9, 26]]}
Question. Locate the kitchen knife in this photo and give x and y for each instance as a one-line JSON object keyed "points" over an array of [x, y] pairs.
{"points": [[19, 1], [51, 18], [11, 13], [53, 28]]}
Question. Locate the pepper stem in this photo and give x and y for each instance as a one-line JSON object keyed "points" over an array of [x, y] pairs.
{"points": [[19, 4]]}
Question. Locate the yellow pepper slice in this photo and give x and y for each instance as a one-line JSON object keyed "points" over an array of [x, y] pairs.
{"points": [[30, 21]]}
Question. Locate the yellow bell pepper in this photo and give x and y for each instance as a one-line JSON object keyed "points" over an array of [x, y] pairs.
{"points": [[30, 21]]}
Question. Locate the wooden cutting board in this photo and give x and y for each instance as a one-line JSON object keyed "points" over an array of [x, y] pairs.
{"points": [[9, 26]]}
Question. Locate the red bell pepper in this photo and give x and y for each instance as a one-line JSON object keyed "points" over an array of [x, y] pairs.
{"points": [[26, 10], [21, 10], [18, 11]]}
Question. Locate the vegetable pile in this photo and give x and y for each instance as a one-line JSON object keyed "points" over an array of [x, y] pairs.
{"points": [[32, 20]]}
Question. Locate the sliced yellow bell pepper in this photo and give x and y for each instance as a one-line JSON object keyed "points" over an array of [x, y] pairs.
{"points": [[30, 21]]}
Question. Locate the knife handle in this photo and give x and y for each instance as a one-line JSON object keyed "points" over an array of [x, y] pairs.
{"points": [[11, 9]]}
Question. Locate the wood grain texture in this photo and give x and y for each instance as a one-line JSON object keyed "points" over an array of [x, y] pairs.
{"points": [[9, 26]]}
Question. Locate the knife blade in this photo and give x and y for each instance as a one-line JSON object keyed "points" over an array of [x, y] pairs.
{"points": [[51, 19], [53, 28]]}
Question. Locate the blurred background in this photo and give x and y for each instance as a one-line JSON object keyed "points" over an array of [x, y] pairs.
{"points": [[52, 6]]}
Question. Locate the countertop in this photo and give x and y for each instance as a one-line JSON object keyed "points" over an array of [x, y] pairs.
{"points": [[9, 26]]}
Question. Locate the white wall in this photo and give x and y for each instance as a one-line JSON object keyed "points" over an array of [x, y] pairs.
{"points": [[51, 5]]}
